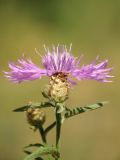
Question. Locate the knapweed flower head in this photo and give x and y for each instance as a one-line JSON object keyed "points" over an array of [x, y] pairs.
{"points": [[59, 62], [60, 65], [35, 116]]}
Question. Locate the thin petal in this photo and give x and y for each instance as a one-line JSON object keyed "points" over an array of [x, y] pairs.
{"points": [[25, 70], [59, 61], [94, 71]]}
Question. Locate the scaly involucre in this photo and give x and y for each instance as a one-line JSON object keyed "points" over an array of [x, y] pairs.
{"points": [[55, 62]]}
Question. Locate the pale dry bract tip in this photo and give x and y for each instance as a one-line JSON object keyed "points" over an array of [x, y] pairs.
{"points": [[37, 52], [70, 47]]}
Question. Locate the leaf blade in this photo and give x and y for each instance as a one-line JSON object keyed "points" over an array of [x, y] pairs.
{"points": [[41, 151], [78, 110], [34, 145], [33, 105]]}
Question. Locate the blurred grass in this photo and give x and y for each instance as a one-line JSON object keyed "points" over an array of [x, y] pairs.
{"points": [[93, 27]]}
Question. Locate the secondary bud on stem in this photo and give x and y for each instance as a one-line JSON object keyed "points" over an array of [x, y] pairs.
{"points": [[35, 117], [58, 87]]}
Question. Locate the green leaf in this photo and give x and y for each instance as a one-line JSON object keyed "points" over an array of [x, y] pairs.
{"points": [[41, 151], [79, 110], [34, 145], [21, 109], [27, 152], [33, 105], [39, 158]]}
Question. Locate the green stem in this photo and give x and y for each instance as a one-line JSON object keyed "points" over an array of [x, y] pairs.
{"points": [[58, 131], [42, 133], [50, 127]]}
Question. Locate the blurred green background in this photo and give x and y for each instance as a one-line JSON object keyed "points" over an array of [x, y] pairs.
{"points": [[93, 27]]}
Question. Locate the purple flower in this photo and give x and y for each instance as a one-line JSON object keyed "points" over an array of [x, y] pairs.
{"points": [[56, 62]]}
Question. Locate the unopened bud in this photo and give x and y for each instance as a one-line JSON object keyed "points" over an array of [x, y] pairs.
{"points": [[35, 116]]}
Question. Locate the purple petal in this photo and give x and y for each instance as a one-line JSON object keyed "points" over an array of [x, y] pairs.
{"points": [[98, 72], [24, 71], [59, 61]]}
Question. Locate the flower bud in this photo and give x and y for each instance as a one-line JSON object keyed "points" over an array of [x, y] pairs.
{"points": [[35, 116]]}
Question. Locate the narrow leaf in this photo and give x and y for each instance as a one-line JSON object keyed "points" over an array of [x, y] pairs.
{"points": [[33, 105], [28, 152], [79, 110], [21, 109], [34, 145], [41, 151]]}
